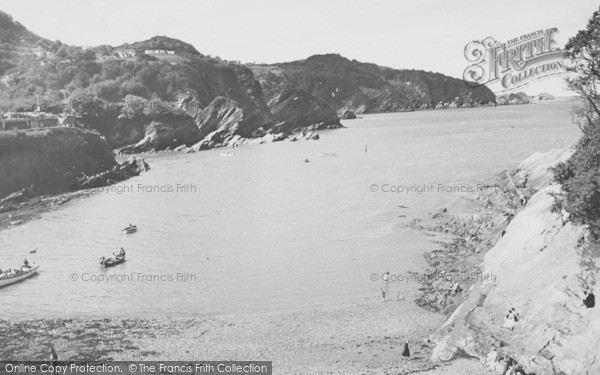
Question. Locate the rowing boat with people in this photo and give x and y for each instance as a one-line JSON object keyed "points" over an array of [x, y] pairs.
{"points": [[130, 229], [111, 262], [20, 274]]}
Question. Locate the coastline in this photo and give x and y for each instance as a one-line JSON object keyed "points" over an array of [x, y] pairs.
{"points": [[364, 337], [541, 263]]}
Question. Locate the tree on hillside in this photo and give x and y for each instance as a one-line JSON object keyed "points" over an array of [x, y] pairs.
{"points": [[580, 176], [583, 55]]}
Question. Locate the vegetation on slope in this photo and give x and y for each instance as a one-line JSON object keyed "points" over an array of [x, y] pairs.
{"points": [[345, 83], [580, 176]]}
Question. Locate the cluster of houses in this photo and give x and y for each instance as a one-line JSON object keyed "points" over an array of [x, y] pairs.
{"points": [[158, 52], [125, 53], [132, 53]]}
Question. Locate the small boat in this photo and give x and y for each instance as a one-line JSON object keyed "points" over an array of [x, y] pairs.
{"points": [[130, 229], [22, 274], [110, 262], [324, 155]]}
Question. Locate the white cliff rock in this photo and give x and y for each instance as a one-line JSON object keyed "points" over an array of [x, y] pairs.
{"points": [[540, 267]]}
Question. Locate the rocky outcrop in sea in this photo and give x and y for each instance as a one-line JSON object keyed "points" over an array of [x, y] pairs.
{"points": [[544, 96], [513, 98]]}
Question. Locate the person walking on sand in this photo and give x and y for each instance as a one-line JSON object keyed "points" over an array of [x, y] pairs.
{"points": [[406, 351], [382, 295]]}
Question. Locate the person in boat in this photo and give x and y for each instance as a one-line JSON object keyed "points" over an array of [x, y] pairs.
{"points": [[102, 260], [122, 252], [26, 263]]}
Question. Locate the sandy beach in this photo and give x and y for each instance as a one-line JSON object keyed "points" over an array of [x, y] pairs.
{"points": [[360, 339]]}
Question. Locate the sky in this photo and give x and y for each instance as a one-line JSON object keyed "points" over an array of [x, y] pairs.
{"points": [[417, 34]]}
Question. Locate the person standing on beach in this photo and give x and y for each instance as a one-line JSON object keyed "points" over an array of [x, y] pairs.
{"points": [[589, 299], [386, 285], [53, 358], [406, 351]]}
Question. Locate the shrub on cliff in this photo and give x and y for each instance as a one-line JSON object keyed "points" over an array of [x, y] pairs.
{"points": [[580, 176]]}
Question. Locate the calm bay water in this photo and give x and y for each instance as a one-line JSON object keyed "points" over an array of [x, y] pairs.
{"points": [[263, 230]]}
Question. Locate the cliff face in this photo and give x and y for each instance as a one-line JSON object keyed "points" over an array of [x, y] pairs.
{"points": [[171, 77], [50, 159], [363, 87], [541, 267], [168, 132], [296, 109]]}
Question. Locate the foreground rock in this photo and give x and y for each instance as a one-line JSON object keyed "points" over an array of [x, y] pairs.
{"points": [[541, 266]]}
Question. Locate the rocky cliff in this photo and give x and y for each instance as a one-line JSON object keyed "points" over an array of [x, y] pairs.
{"points": [[52, 160], [295, 109], [135, 94], [366, 88], [541, 267], [171, 76], [168, 132]]}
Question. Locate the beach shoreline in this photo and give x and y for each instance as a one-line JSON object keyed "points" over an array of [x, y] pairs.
{"points": [[354, 339]]}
